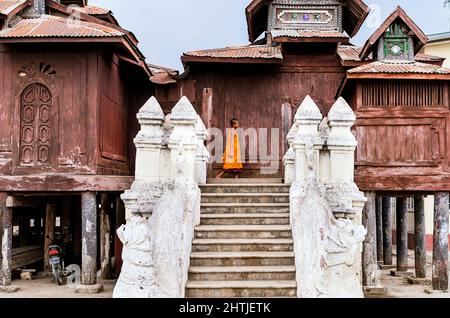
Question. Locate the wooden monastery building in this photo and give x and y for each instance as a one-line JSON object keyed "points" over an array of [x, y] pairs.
{"points": [[71, 83], [70, 90]]}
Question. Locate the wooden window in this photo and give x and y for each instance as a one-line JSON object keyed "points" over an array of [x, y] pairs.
{"points": [[35, 127], [377, 93]]}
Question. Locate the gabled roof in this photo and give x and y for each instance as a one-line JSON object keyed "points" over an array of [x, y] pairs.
{"points": [[237, 54], [355, 12], [46, 26], [420, 39], [8, 7]]}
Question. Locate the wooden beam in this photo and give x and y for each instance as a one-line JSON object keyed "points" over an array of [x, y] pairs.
{"points": [[403, 183], [120, 220], [89, 238], [387, 231], [440, 241], [200, 59], [402, 235], [420, 248], [50, 217], [65, 183], [369, 258], [288, 39]]}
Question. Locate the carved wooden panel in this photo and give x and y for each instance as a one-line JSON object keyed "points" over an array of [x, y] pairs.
{"points": [[35, 126], [401, 142]]}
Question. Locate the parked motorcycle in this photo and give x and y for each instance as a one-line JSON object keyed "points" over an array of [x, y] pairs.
{"points": [[56, 255]]}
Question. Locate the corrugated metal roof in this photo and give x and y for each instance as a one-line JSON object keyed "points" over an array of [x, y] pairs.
{"points": [[399, 67], [237, 52], [351, 53], [7, 6], [445, 36], [307, 34], [93, 10], [157, 69], [52, 26]]}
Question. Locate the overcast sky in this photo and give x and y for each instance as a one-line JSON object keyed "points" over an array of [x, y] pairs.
{"points": [[168, 28]]}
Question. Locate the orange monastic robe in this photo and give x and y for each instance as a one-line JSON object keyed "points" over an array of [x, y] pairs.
{"points": [[232, 156]]}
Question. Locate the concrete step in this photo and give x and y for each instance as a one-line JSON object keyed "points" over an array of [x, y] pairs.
{"points": [[231, 289], [242, 231], [213, 259], [245, 188], [245, 198], [242, 245], [246, 181], [249, 273], [246, 218], [223, 208]]}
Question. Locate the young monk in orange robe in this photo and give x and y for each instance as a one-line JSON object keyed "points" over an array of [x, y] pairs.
{"points": [[232, 157]]}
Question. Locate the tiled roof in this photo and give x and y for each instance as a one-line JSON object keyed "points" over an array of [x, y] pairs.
{"points": [[399, 67], [7, 6], [307, 34], [51, 26], [93, 10], [420, 57], [238, 52]]}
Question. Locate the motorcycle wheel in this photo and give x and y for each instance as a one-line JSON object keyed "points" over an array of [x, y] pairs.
{"points": [[58, 276]]}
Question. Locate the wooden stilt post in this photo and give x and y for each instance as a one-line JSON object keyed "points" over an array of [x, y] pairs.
{"points": [[89, 244], [120, 220], [402, 235], [6, 245], [420, 249], [50, 216], [440, 241], [379, 216], [105, 232], [387, 231], [369, 258]]}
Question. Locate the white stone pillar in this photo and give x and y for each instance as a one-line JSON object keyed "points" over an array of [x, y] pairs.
{"points": [[202, 155], [341, 142], [307, 120], [289, 157], [149, 141], [183, 142]]}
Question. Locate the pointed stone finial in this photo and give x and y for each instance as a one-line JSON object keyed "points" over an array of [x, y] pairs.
{"points": [[341, 111], [183, 110], [308, 110], [151, 110]]}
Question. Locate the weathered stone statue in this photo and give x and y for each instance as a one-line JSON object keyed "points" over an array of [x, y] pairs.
{"points": [[325, 206], [163, 204]]}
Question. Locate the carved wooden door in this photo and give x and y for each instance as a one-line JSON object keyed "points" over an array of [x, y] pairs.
{"points": [[35, 128]]}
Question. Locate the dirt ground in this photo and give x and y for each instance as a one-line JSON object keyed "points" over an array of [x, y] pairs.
{"points": [[45, 288]]}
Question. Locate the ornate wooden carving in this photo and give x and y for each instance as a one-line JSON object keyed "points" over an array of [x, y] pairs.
{"points": [[35, 126]]}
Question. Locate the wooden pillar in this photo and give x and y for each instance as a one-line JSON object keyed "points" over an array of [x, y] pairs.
{"points": [[286, 122], [402, 235], [105, 232], [207, 116], [50, 216], [379, 216], [369, 257], [420, 248], [120, 220], [440, 241], [89, 238], [387, 231], [6, 242]]}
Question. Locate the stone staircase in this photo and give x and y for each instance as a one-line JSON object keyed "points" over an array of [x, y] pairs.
{"points": [[243, 246]]}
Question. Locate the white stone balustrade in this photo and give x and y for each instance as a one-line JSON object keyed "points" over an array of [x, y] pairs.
{"points": [[163, 204], [202, 156]]}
